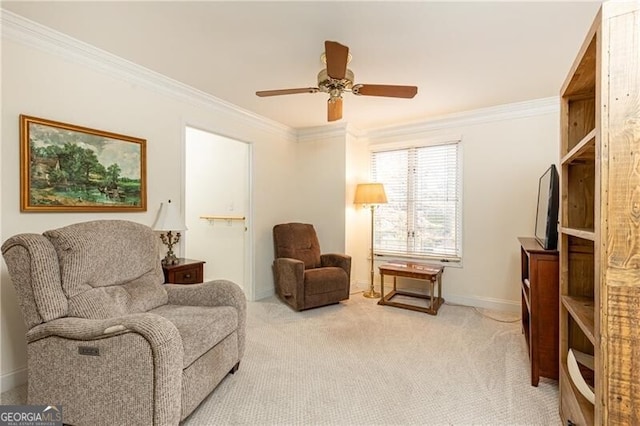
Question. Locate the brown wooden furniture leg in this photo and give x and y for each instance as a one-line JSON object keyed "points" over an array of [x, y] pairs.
{"points": [[419, 271], [431, 295]]}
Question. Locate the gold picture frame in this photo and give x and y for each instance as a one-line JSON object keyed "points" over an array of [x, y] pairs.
{"points": [[69, 168]]}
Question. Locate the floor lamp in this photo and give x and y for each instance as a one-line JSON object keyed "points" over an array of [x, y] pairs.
{"points": [[370, 194]]}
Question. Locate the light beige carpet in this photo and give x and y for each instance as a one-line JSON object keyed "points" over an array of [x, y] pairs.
{"points": [[358, 363]]}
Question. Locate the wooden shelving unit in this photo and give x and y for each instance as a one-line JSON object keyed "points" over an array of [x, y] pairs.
{"points": [[599, 241], [539, 306]]}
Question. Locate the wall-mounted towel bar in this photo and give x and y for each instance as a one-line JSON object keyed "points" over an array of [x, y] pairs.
{"points": [[241, 218]]}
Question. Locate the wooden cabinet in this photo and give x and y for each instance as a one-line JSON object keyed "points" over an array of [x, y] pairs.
{"points": [[599, 240], [186, 271], [539, 305]]}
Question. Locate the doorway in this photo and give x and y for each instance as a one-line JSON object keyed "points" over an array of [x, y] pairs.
{"points": [[217, 206]]}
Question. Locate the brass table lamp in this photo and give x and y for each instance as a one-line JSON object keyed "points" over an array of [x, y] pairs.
{"points": [[169, 220]]}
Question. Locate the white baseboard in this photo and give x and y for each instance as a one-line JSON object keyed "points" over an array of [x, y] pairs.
{"points": [[484, 302], [264, 294], [14, 379]]}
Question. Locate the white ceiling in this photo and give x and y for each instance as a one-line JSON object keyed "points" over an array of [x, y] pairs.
{"points": [[461, 55]]}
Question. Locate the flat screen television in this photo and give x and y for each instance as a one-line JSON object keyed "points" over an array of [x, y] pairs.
{"points": [[547, 213]]}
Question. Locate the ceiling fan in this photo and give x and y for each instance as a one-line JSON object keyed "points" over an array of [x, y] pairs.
{"points": [[336, 79]]}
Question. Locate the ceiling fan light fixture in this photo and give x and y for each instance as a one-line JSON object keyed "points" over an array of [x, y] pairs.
{"points": [[326, 83], [334, 96]]}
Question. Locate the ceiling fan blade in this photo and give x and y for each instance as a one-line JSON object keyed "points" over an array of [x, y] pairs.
{"points": [[334, 109], [337, 57], [264, 93], [385, 90]]}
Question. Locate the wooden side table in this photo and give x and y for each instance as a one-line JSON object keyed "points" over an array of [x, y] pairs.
{"points": [[186, 271], [418, 271]]}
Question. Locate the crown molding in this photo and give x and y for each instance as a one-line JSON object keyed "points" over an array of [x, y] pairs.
{"points": [[338, 130], [26, 32], [511, 111]]}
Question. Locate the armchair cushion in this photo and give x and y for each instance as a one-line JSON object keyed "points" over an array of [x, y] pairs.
{"points": [[200, 327], [297, 241], [324, 280], [214, 293], [98, 274]]}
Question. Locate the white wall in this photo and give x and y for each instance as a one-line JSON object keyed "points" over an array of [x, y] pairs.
{"points": [[320, 178], [70, 86], [504, 154], [357, 219]]}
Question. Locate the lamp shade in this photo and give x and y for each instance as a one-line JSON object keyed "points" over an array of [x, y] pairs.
{"points": [[370, 193], [169, 219]]}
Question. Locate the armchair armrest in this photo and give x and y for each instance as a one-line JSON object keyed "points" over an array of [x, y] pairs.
{"points": [[210, 293], [338, 260], [213, 293], [289, 277], [161, 362], [154, 328]]}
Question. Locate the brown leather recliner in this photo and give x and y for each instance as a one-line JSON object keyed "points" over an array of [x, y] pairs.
{"points": [[304, 278]]}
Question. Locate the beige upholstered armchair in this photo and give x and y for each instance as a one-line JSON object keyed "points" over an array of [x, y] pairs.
{"points": [[106, 339], [304, 278]]}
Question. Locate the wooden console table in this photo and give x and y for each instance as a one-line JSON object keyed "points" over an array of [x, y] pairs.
{"points": [[418, 271]]}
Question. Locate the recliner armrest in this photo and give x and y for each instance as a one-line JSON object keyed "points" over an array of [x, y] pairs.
{"points": [[210, 293], [154, 328], [337, 260], [165, 354], [289, 276]]}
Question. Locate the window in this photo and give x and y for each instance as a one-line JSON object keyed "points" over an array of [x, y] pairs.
{"points": [[423, 215]]}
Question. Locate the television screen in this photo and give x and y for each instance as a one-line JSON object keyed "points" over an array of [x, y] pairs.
{"points": [[547, 213]]}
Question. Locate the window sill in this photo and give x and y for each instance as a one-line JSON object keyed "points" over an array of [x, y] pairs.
{"points": [[383, 258]]}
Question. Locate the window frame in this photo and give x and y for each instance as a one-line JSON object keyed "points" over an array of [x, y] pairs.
{"points": [[453, 261]]}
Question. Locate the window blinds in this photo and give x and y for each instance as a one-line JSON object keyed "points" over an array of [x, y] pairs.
{"points": [[422, 217]]}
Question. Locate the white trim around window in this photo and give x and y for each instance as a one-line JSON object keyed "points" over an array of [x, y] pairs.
{"points": [[423, 217]]}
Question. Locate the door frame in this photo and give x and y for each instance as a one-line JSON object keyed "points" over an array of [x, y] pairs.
{"points": [[249, 254]]}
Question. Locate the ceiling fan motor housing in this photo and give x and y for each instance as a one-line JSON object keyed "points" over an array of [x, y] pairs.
{"points": [[334, 86]]}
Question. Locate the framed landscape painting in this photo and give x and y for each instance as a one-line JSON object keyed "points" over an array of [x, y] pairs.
{"points": [[68, 168]]}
